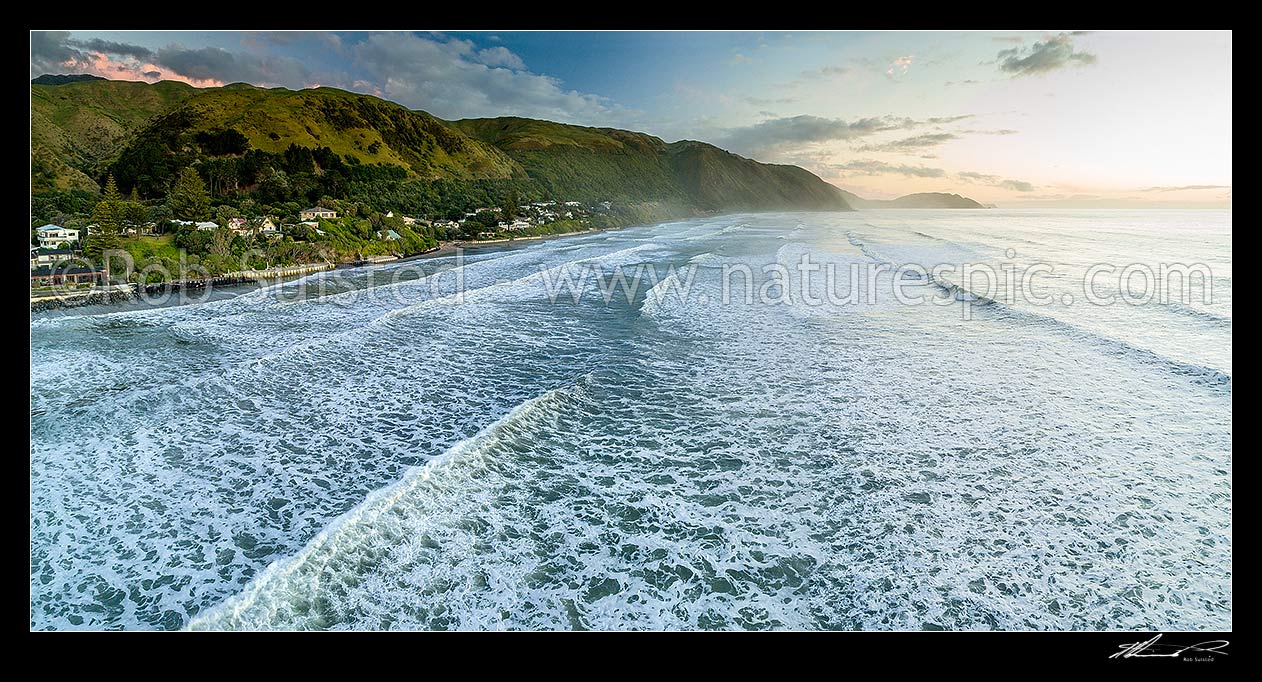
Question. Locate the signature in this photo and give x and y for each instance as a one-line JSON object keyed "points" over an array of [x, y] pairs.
{"points": [[1152, 649]]}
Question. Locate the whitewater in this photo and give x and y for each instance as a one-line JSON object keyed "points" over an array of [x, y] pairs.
{"points": [[449, 444]]}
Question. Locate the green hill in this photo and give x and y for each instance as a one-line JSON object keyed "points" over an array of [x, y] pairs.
{"points": [[300, 145], [719, 180], [77, 126], [605, 163]]}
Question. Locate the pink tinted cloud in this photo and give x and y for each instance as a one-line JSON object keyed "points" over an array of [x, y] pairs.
{"points": [[103, 65]]}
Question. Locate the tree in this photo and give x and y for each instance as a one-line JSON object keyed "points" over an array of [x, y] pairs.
{"points": [[221, 243], [106, 221], [188, 198], [510, 205]]}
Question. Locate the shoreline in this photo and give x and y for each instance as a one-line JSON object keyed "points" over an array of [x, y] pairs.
{"points": [[115, 294]]}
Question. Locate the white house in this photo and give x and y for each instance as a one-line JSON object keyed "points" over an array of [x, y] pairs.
{"points": [[206, 225], [317, 212], [52, 236]]}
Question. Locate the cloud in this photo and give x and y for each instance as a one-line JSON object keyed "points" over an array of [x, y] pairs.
{"points": [[873, 167], [940, 120], [826, 72], [111, 47], [219, 65], [450, 79], [1017, 185], [763, 102], [794, 132], [501, 56], [1008, 39], [995, 181], [899, 65], [1184, 188], [910, 144], [1049, 54], [60, 52]]}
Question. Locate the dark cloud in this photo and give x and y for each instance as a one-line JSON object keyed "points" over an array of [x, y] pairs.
{"points": [[111, 47], [1184, 188], [911, 144], [60, 52], [51, 52], [873, 167], [217, 64], [1052, 53], [152, 74]]}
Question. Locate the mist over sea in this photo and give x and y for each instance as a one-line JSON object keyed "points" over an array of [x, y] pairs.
{"points": [[449, 443]]}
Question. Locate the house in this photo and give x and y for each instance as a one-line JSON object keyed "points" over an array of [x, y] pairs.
{"points": [[52, 236], [519, 224], [46, 276], [238, 224], [317, 212], [206, 225], [389, 235], [42, 256]]}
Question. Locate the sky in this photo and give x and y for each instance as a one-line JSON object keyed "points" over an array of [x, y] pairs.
{"points": [[1055, 118]]}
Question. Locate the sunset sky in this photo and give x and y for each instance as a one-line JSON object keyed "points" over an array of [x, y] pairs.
{"points": [[1025, 118]]}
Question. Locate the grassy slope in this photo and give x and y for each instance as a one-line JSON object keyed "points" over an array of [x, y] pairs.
{"points": [[349, 124], [78, 126], [604, 163], [584, 164]]}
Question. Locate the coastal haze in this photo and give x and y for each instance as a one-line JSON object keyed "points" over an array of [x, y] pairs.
{"points": [[335, 455]]}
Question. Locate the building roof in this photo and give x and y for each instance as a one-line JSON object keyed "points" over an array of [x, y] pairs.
{"points": [[317, 208], [46, 270], [51, 227], [53, 252]]}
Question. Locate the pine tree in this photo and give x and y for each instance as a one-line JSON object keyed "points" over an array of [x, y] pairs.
{"points": [[188, 199], [111, 191], [106, 217]]}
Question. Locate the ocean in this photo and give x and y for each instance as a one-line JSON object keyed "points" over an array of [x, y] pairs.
{"points": [[792, 421]]}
